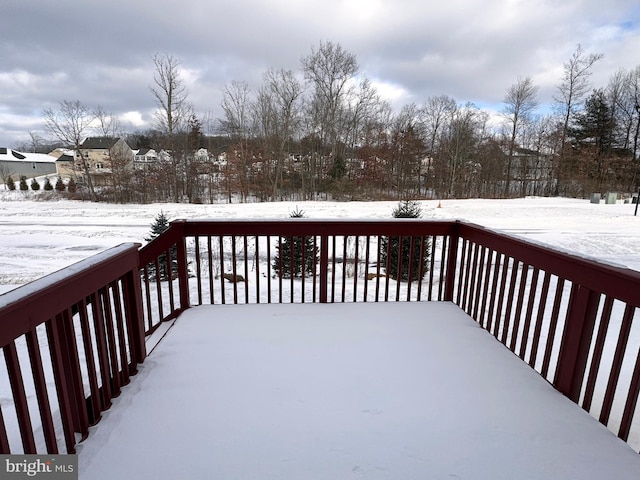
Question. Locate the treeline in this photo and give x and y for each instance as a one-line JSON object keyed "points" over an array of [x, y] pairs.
{"points": [[325, 131]]}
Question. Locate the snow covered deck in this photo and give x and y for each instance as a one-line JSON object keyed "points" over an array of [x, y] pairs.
{"points": [[331, 391]]}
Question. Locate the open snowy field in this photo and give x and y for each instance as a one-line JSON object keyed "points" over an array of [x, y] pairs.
{"points": [[40, 237]]}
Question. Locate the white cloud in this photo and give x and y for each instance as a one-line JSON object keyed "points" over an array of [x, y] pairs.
{"points": [[413, 49], [133, 118]]}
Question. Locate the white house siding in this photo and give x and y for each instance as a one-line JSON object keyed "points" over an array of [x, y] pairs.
{"points": [[31, 165]]}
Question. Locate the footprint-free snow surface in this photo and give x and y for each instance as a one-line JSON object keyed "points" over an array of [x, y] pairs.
{"points": [[335, 391]]}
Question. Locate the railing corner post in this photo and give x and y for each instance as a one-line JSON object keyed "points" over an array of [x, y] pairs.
{"points": [[183, 271], [324, 267], [452, 261]]}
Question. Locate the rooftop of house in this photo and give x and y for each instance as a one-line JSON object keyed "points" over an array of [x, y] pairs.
{"points": [[98, 143], [148, 152], [65, 157], [7, 154]]}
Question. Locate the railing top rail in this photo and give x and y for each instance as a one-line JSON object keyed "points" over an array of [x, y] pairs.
{"points": [[27, 306], [308, 226], [325, 226], [292, 227], [618, 282]]}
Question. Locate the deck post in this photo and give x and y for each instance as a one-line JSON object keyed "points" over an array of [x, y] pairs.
{"points": [[135, 318], [183, 273], [324, 267], [452, 261], [576, 341]]}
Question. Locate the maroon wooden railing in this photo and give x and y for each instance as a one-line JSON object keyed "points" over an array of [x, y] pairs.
{"points": [[83, 330], [568, 317], [70, 341], [235, 262]]}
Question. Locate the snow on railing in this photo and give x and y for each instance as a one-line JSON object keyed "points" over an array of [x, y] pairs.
{"points": [[70, 341]]}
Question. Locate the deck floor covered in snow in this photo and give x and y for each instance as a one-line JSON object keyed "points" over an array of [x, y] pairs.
{"points": [[334, 391]]}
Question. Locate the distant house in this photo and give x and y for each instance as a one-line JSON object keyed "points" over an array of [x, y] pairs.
{"points": [[530, 170], [17, 164], [202, 155], [144, 158], [65, 165], [165, 156], [102, 157], [64, 162]]}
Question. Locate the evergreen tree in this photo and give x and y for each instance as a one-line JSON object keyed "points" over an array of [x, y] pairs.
{"points": [[595, 143], [338, 169], [289, 261], [23, 183], [47, 185], [159, 225], [35, 185], [11, 185], [595, 126], [60, 186], [417, 264], [71, 186]]}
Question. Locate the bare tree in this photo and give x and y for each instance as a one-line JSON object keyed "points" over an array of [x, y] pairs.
{"points": [[458, 144], [330, 69], [107, 124], [571, 91], [237, 124], [520, 103], [408, 149], [624, 91], [365, 112], [632, 87], [36, 142], [540, 136], [623, 95], [170, 95], [277, 111], [70, 123], [5, 173], [435, 114]]}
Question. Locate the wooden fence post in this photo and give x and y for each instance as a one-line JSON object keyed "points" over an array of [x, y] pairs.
{"points": [[324, 267], [183, 271], [576, 341], [452, 260], [132, 291]]}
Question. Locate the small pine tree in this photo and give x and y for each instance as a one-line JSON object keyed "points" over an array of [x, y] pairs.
{"points": [[159, 225], [71, 186], [288, 261], [47, 185], [60, 186], [11, 184], [35, 185], [23, 184], [394, 255]]}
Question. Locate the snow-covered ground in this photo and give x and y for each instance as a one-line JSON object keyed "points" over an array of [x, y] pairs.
{"points": [[40, 237], [335, 391]]}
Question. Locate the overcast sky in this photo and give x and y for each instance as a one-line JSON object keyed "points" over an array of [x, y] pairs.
{"points": [[100, 52]]}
